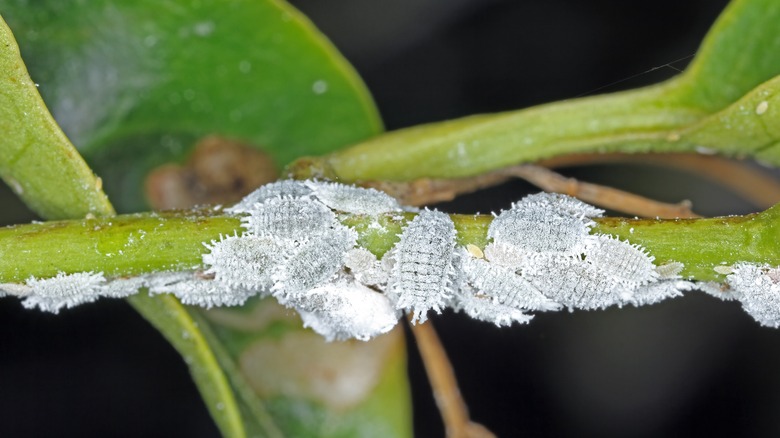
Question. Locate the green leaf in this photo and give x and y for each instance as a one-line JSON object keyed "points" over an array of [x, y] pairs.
{"points": [[36, 159], [135, 92], [42, 166], [684, 114], [134, 84]]}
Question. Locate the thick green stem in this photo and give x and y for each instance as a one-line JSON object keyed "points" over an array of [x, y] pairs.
{"points": [[140, 243], [702, 244], [120, 245]]}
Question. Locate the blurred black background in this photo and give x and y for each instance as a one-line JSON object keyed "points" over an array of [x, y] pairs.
{"points": [[692, 366]]}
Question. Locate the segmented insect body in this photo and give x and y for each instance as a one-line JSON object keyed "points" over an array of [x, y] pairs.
{"points": [[625, 263], [344, 310], [578, 285], [244, 261], [757, 288], [486, 309], [669, 270], [313, 263], [63, 290], [279, 189], [351, 199], [123, 287], [194, 290], [422, 276], [289, 218], [537, 230], [504, 286]]}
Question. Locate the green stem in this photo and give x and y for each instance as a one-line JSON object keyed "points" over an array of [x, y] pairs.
{"points": [[629, 121], [702, 244], [120, 245], [149, 242]]}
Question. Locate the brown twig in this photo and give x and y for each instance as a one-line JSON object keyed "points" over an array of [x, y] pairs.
{"points": [[603, 196], [428, 191], [453, 409], [744, 179]]}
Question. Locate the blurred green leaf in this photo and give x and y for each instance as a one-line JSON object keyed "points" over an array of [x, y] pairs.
{"points": [[135, 85], [50, 175], [36, 159], [685, 114]]}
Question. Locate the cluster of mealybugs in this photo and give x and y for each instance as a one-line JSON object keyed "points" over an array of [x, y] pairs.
{"points": [[541, 256]]}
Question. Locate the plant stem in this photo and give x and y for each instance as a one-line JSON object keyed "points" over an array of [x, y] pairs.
{"points": [[149, 242], [117, 246]]}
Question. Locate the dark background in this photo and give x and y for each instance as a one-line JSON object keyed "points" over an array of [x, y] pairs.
{"points": [[692, 366]]}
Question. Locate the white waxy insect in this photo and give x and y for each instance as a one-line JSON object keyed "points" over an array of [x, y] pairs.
{"points": [[313, 263], [63, 290], [658, 291], [574, 283], [422, 276], [758, 289], [124, 287], [244, 261], [278, 189], [627, 264], [504, 286], [562, 204], [191, 288], [669, 270], [486, 309], [351, 199], [344, 310], [365, 267], [535, 229], [289, 218]]}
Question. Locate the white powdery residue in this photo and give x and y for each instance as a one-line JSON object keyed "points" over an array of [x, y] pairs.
{"points": [[14, 289], [658, 291], [535, 228], [345, 310], [313, 263], [758, 289], [723, 269], [504, 255], [421, 278], [351, 199], [504, 286], [365, 267], [627, 264], [762, 107], [574, 283], [194, 290], [63, 290], [245, 261], [486, 309], [289, 218], [718, 290], [284, 188]]}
